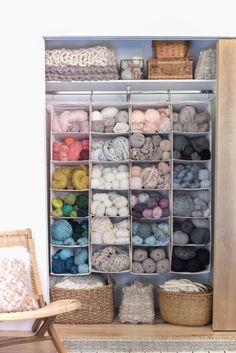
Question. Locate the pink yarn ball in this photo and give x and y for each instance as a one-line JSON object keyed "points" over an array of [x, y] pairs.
{"points": [[165, 125], [81, 115], [150, 127], [157, 212], [55, 156], [148, 213], [136, 171], [152, 115], [164, 112], [84, 126], [133, 200], [164, 203], [55, 124], [137, 127], [74, 152], [163, 168], [137, 116], [56, 145], [136, 183], [85, 144], [63, 153]]}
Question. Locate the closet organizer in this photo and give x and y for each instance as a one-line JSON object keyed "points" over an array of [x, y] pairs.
{"points": [[215, 189]]}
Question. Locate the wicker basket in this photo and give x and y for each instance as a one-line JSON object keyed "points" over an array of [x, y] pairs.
{"points": [[170, 69], [163, 49], [186, 308], [97, 304]]}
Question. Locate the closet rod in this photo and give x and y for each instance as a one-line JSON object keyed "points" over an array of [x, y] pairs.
{"points": [[128, 92]]}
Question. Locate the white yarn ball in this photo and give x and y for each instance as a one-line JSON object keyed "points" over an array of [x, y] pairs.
{"points": [[109, 237], [109, 112], [123, 211], [124, 184], [96, 237], [123, 224], [122, 168], [111, 211], [109, 177], [122, 233], [120, 201], [100, 197], [107, 170], [115, 184], [96, 115]]}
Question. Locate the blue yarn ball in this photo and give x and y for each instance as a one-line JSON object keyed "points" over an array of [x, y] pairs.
{"points": [[83, 268], [135, 227], [150, 240], [69, 241], [57, 242], [73, 269], [58, 266], [69, 262], [82, 241], [65, 253], [61, 229], [137, 240], [77, 251], [82, 257]]}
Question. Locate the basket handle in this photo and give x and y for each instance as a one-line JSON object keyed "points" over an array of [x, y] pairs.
{"points": [[110, 280]]}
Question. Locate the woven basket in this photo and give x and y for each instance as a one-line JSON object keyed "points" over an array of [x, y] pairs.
{"points": [[170, 69], [163, 49], [97, 304], [186, 308], [137, 305]]}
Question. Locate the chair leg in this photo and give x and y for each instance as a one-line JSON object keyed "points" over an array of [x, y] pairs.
{"points": [[56, 340]]}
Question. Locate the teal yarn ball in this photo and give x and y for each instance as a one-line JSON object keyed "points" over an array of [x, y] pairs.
{"points": [[82, 241], [69, 241], [66, 253], [83, 268], [150, 240], [82, 257], [61, 230], [67, 209], [137, 240]]}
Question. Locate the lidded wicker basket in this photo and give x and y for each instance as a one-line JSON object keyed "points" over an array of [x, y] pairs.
{"points": [[167, 49], [186, 308]]}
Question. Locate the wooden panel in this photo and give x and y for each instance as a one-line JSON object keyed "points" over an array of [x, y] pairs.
{"points": [[224, 307]]}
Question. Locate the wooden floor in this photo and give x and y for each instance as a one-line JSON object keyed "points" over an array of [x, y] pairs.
{"points": [[114, 330]]}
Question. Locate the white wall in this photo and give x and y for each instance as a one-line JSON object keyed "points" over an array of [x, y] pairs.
{"points": [[22, 140]]}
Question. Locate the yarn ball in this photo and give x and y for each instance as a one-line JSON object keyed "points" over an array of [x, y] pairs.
{"points": [[136, 183], [84, 126], [82, 200], [137, 240], [65, 253], [143, 197], [152, 115], [81, 257], [133, 200], [61, 229], [149, 266], [98, 126], [67, 209], [58, 266], [187, 114], [136, 171], [122, 116], [137, 140], [200, 236], [203, 256], [157, 212], [180, 237], [193, 265], [150, 240], [187, 227], [179, 142], [109, 112], [148, 213], [151, 203], [140, 206], [121, 128], [137, 267], [139, 255], [84, 155], [163, 266], [137, 214], [69, 262], [165, 212], [164, 203], [183, 205], [83, 268], [82, 241], [157, 254], [205, 154], [137, 116], [184, 252], [178, 265], [96, 115], [144, 230]]}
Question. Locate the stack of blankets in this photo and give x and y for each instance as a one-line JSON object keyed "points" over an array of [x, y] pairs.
{"points": [[91, 64]]}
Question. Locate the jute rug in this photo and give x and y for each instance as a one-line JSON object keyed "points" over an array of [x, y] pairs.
{"points": [[151, 345]]}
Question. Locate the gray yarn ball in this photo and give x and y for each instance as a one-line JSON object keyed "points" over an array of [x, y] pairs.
{"points": [[137, 140], [183, 205], [122, 116], [139, 255], [137, 267], [187, 114], [157, 254], [184, 252], [179, 142], [98, 126], [202, 117], [200, 236], [144, 230], [187, 227], [163, 266], [149, 266], [109, 129], [109, 121], [180, 237]]}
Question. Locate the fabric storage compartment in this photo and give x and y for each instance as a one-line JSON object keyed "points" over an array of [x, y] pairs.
{"points": [[170, 68], [186, 308], [137, 304], [97, 304]]}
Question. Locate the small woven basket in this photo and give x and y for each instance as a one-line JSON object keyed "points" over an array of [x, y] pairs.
{"points": [[170, 49], [137, 305], [186, 308], [97, 304]]}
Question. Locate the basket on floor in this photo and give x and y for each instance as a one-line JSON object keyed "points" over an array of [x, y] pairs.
{"points": [[167, 49], [137, 304], [186, 308], [97, 304]]}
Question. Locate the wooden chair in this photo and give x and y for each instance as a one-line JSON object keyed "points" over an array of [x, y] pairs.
{"points": [[43, 317]]}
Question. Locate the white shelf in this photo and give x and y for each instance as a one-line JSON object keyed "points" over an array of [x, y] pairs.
{"points": [[135, 85]]}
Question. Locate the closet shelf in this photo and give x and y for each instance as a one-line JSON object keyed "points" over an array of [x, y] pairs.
{"points": [[135, 85]]}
